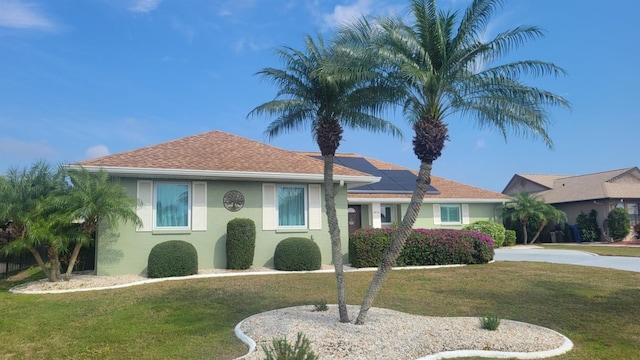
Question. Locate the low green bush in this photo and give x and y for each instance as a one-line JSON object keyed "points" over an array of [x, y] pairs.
{"points": [[172, 258], [619, 224], [490, 322], [509, 238], [367, 246], [423, 247], [495, 230], [240, 243], [280, 349], [297, 254]]}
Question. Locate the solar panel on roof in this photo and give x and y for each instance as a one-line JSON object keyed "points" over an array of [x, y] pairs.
{"points": [[391, 181]]}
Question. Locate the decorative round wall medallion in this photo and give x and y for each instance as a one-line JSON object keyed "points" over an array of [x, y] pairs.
{"points": [[233, 200]]}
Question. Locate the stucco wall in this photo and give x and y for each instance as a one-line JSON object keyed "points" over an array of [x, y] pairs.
{"points": [[126, 250]]}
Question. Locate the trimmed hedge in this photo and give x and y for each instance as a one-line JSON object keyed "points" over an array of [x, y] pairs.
{"points": [[172, 258], [423, 247], [297, 254], [510, 237], [241, 243], [495, 230]]}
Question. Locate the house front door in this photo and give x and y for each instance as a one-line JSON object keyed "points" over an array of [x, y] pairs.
{"points": [[355, 218]]}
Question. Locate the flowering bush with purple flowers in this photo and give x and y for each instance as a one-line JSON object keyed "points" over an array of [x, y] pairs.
{"points": [[423, 247]]}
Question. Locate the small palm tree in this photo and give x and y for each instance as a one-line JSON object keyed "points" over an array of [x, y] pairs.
{"points": [[49, 213], [310, 98], [92, 201], [23, 193], [548, 215], [443, 67]]}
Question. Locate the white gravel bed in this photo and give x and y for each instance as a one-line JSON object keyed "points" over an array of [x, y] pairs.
{"points": [[80, 282], [389, 334]]}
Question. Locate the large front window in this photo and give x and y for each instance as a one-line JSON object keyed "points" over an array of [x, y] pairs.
{"points": [[291, 206], [450, 213], [172, 205]]}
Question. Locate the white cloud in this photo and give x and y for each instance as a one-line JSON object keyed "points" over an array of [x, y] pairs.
{"points": [[20, 15], [342, 15], [144, 6], [97, 151]]}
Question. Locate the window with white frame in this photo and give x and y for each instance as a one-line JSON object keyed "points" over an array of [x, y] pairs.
{"points": [[172, 205], [167, 205], [386, 214], [450, 214], [291, 208]]}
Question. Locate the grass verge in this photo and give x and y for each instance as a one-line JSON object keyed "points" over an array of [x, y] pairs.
{"points": [[604, 250], [598, 309]]}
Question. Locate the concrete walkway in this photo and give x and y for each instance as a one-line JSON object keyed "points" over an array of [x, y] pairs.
{"points": [[572, 257]]}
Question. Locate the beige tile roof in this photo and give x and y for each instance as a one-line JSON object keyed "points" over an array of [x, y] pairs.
{"points": [[621, 183], [218, 151], [544, 180], [448, 189]]}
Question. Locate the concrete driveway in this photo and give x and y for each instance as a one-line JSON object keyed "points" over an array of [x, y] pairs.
{"points": [[573, 257]]}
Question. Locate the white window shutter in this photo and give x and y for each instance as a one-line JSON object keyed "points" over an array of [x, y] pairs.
{"points": [[199, 206], [376, 219], [437, 220], [144, 210], [315, 207], [268, 206], [465, 213]]}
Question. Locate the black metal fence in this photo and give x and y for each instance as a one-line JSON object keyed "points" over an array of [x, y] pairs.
{"points": [[11, 264]]}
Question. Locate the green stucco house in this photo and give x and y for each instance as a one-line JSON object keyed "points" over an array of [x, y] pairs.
{"points": [[189, 189]]}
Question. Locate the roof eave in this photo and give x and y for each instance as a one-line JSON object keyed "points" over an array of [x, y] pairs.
{"points": [[357, 200], [349, 180]]}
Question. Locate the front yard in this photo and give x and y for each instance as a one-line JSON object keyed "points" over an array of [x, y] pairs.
{"points": [[598, 309]]}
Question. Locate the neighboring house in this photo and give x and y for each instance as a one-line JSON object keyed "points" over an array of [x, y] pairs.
{"points": [[189, 189], [601, 191]]}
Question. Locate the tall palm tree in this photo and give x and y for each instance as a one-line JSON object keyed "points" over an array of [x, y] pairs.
{"points": [[310, 98], [446, 68], [93, 201]]}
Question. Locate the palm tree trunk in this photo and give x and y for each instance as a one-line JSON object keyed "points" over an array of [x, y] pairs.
{"points": [[334, 233], [54, 272], [524, 231], [540, 228], [72, 260], [40, 262], [398, 240]]}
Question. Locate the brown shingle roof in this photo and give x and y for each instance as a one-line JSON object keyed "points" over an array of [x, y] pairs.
{"points": [[217, 151]]}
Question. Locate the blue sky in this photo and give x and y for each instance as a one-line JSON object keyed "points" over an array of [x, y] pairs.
{"points": [[81, 79]]}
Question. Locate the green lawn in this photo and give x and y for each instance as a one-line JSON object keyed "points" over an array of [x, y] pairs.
{"points": [[598, 309], [605, 250]]}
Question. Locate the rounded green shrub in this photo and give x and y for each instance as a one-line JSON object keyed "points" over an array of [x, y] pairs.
{"points": [[297, 254], [241, 243], [172, 258], [493, 229], [509, 237], [619, 224]]}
